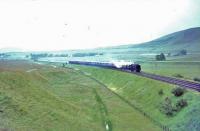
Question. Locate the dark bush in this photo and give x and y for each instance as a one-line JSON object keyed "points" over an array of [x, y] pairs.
{"points": [[196, 79], [178, 75], [181, 103], [183, 52], [178, 91], [170, 109], [160, 92], [160, 57], [167, 107]]}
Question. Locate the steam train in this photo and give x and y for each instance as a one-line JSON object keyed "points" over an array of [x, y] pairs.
{"points": [[128, 67]]}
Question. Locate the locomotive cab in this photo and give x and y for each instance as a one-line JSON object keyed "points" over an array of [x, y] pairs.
{"points": [[135, 67]]}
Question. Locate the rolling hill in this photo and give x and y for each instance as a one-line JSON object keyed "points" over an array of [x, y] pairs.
{"points": [[186, 39], [173, 43]]}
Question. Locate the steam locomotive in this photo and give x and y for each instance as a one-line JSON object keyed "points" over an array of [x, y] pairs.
{"points": [[128, 67]]}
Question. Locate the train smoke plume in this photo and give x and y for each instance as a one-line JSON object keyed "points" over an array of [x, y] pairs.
{"points": [[120, 63]]}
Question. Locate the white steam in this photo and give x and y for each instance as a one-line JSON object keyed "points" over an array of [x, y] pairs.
{"points": [[120, 63]]}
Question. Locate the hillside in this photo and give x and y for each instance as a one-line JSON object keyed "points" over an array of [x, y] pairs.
{"points": [[37, 97], [187, 39], [143, 93]]}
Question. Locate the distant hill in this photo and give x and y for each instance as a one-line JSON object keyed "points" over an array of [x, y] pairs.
{"points": [[186, 39], [4, 50]]}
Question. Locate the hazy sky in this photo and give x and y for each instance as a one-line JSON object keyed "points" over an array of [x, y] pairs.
{"points": [[74, 24]]}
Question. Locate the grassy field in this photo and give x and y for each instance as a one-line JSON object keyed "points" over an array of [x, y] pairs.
{"points": [[36, 97], [189, 70], [143, 93]]}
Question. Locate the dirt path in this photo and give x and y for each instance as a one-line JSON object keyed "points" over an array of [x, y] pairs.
{"points": [[104, 112]]}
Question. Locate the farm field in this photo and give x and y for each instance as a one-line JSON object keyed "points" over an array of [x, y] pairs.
{"points": [[41, 97], [144, 94]]}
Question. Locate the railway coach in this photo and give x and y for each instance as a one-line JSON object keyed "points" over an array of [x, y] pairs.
{"points": [[129, 67]]}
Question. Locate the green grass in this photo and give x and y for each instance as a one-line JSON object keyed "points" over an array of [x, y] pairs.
{"points": [[143, 93], [188, 70], [29, 104], [61, 99]]}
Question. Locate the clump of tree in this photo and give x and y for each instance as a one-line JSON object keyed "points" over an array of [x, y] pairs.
{"points": [[181, 104], [58, 55], [178, 91], [196, 79], [4, 55], [35, 57], [27, 56], [160, 57], [181, 53], [170, 109], [178, 75], [160, 92], [86, 54], [167, 107]]}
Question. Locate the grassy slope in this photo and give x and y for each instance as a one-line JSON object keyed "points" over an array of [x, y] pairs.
{"points": [[61, 99], [143, 93], [188, 70], [28, 104], [185, 39]]}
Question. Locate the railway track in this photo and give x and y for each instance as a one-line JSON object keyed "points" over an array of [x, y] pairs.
{"points": [[183, 83], [170, 80]]}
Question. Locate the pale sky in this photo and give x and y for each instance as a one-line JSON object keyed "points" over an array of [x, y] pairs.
{"points": [[79, 24]]}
